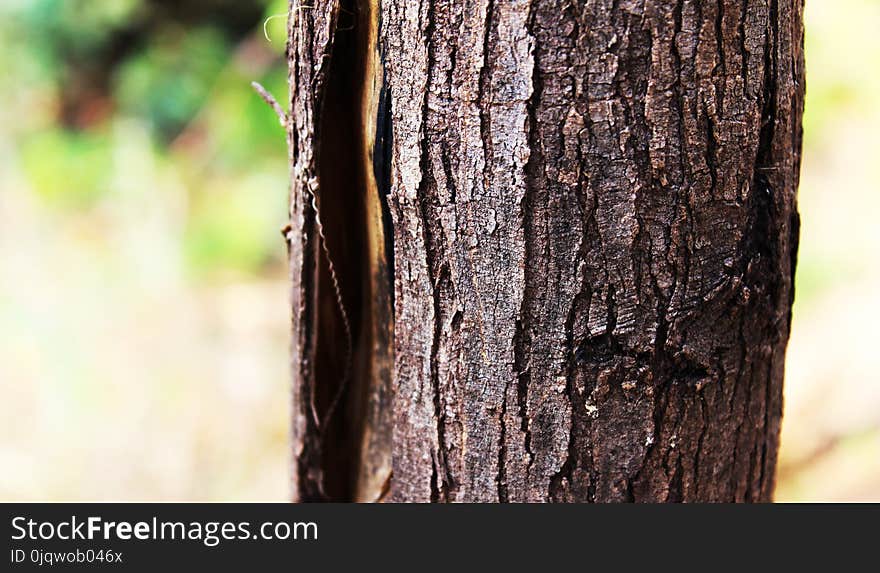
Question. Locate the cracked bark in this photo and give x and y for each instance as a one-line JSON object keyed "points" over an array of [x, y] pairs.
{"points": [[594, 224]]}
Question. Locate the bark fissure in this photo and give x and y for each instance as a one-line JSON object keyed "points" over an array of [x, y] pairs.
{"points": [[338, 242]]}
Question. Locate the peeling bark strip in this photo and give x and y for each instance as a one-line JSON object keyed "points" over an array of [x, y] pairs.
{"points": [[594, 231]]}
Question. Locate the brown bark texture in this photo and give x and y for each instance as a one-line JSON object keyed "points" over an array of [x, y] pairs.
{"points": [[564, 237]]}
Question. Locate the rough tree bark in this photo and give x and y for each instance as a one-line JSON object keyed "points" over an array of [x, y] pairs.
{"points": [[564, 236]]}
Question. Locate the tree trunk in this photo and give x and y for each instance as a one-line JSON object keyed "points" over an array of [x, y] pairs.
{"points": [[563, 236]]}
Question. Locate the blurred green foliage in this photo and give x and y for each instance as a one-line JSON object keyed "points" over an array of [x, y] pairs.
{"points": [[91, 76], [67, 169], [142, 187], [169, 81]]}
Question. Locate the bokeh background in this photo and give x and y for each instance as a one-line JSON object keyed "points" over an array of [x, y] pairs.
{"points": [[143, 322]]}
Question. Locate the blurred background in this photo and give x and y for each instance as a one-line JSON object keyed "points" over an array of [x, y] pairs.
{"points": [[143, 330], [143, 322]]}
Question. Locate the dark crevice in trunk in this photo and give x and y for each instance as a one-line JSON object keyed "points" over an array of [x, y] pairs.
{"points": [[353, 167], [382, 167]]}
